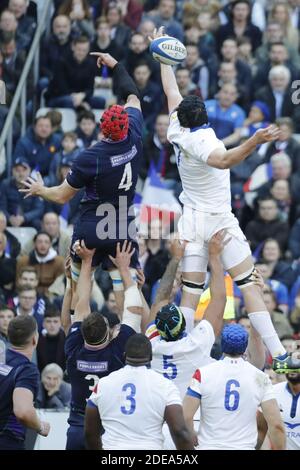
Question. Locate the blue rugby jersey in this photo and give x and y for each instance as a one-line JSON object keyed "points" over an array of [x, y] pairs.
{"points": [[85, 366], [17, 372]]}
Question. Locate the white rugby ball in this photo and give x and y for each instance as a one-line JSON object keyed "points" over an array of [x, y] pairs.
{"points": [[168, 50]]}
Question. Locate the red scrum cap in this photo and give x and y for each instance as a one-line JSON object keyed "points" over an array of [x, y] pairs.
{"points": [[114, 122]]}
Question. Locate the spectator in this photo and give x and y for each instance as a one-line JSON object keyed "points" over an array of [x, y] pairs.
{"points": [[6, 315], [225, 116], [294, 240], [38, 145], [138, 53], [13, 64], [55, 117], [26, 24], [79, 13], [278, 55], [131, 12], [105, 44], [275, 33], [146, 28], [240, 25], [289, 343], [286, 143], [280, 191], [7, 268], [185, 84], [295, 314], [44, 258], [282, 170], [227, 73], [60, 239], [281, 12], [258, 118], [53, 392], [267, 224], [27, 305], [150, 94], [51, 343], [73, 84], [160, 153], [69, 152], [13, 246], [280, 322], [279, 289], [245, 54], [277, 94], [55, 47], [207, 41], [20, 212], [165, 17], [9, 24], [229, 53], [87, 131], [119, 32], [198, 70], [280, 270]]}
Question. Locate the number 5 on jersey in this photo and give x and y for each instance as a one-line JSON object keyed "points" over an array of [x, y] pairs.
{"points": [[126, 181]]}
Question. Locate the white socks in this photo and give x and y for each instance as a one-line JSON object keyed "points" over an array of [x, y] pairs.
{"points": [[262, 322], [189, 315]]}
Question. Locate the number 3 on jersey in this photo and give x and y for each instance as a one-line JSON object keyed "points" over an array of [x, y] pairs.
{"points": [[129, 407], [126, 181]]}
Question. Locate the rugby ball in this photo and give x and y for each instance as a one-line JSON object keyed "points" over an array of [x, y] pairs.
{"points": [[168, 50]]}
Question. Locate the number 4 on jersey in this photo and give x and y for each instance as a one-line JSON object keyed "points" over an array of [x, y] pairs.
{"points": [[126, 181]]}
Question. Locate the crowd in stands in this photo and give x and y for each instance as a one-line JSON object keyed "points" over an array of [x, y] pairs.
{"points": [[242, 59]]}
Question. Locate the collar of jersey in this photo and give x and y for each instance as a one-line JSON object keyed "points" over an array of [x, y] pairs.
{"points": [[204, 126]]}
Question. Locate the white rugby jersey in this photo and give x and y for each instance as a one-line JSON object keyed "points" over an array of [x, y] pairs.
{"points": [[131, 403], [205, 188], [289, 405], [178, 360], [230, 390]]}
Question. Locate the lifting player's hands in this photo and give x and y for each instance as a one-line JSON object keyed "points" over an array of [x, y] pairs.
{"points": [[82, 251], [217, 243], [257, 279], [140, 278], [44, 429], [68, 266], [32, 187], [177, 249], [104, 59], [268, 134], [123, 256]]}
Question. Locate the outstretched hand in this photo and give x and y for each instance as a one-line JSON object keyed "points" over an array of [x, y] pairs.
{"points": [[157, 33], [32, 187], [123, 256], [268, 134], [104, 59]]}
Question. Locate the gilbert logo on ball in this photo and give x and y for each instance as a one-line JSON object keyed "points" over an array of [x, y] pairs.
{"points": [[168, 50]]}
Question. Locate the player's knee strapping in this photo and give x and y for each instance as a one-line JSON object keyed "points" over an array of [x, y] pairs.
{"points": [[246, 279], [195, 288], [117, 279]]}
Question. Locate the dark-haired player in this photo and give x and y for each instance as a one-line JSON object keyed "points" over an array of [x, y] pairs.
{"points": [[92, 349], [108, 171], [203, 164], [19, 382]]}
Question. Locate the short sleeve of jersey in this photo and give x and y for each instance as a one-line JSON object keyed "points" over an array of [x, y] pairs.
{"points": [[78, 176], [195, 388], [28, 377], [173, 395], [268, 390], [204, 335], [135, 120], [74, 340], [174, 127], [203, 146]]}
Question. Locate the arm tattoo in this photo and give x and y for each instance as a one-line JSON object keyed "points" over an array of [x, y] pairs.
{"points": [[167, 281]]}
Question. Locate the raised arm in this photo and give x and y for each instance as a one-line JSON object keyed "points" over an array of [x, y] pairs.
{"points": [[84, 285], [167, 281], [124, 84], [168, 78], [66, 306], [276, 430], [58, 194], [215, 310], [223, 159]]}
